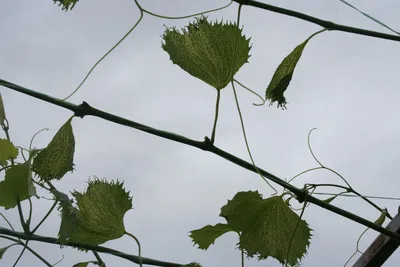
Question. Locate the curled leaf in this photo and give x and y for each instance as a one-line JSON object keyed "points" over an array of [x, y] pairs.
{"points": [[283, 75], [2, 112], [207, 235], [57, 158], [206, 50]]}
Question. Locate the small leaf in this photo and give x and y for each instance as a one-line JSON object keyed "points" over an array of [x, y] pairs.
{"points": [[283, 75], [69, 217], [206, 50], [7, 151], [193, 264], [66, 4], [2, 112], [57, 158], [207, 235], [381, 219], [267, 226], [101, 212], [17, 184], [3, 250], [85, 264], [330, 199]]}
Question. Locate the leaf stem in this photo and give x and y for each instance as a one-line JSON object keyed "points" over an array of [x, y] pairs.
{"points": [[251, 91], [139, 247], [216, 116]]}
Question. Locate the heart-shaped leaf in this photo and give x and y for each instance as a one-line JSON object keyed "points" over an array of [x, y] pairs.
{"points": [[211, 52]]}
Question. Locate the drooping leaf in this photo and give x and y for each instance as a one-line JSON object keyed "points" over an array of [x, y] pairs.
{"points": [[17, 184], [69, 216], [206, 50], [57, 158], [2, 111], [85, 264], [267, 226], [66, 4], [7, 151], [3, 250], [101, 211], [207, 235], [283, 75]]}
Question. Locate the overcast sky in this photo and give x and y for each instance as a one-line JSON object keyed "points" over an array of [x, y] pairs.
{"points": [[345, 85]]}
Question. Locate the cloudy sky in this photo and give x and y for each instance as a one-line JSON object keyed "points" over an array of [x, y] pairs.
{"points": [[345, 85]]}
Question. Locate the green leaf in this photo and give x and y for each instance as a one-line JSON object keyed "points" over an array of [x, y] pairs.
{"points": [[101, 212], [17, 184], [66, 4], [283, 75], [330, 199], [206, 50], [85, 264], [69, 216], [2, 112], [207, 235], [381, 218], [3, 250], [7, 151], [267, 226], [57, 158]]}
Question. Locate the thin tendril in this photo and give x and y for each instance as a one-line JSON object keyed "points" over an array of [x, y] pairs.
{"points": [[8, 222], [105, 55], [251, 91], [30, 144], [245, 139], [184, 17], [347, 195]]}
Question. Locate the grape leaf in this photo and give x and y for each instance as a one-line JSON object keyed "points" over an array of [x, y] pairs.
{"points": [[66, 4], [7, 151], [69, 216], [283, 75], [267, 226], [17, 184], [57, 158], [207, 235], [101, 211], [206, 50]]}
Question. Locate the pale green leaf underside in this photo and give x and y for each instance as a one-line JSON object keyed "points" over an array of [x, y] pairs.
{"points": [[101, 212], [57, 158], [206, 50], [267, 226], [7, 151], [207, 235], [16, 185], [283, 75]]}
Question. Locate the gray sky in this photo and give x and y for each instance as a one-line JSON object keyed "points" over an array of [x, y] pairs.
{"points": [[345, 85]]}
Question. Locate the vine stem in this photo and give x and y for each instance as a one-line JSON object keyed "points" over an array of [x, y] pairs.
{"points": [[86, 110], [323, 23], [139, 247], [216, 116]]}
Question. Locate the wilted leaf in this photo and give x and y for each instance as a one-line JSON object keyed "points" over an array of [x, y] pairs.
{"points": [[66, 4], [69, 216], [57, 158], [7, 151], [101, 212], [17, 184], [267, 226], [207, 235], [283, 75], [206, 50]]}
